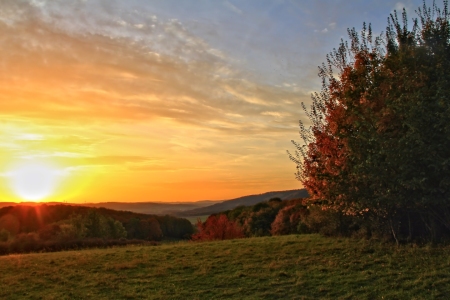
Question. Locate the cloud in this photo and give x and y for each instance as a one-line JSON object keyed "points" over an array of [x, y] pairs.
{"points": [[232, 7], [52, 70], [330, 27], [96, 88], [72, 159], [113, 160]]}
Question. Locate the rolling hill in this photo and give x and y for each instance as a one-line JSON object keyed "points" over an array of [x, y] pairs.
{"points": [[155, 208], [152, 208], [245, 200], [184, 209]]}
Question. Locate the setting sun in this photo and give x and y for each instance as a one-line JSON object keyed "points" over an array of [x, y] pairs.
{"points": [[34, 181]]}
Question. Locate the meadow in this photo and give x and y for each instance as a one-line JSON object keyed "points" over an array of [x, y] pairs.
{"points": [[283, 267]]}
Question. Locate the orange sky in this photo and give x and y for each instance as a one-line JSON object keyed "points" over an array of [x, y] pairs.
{"points": [[122, 120], [107, 100]]}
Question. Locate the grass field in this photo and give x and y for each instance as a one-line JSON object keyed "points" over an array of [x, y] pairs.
{"points": [[287, 267]]}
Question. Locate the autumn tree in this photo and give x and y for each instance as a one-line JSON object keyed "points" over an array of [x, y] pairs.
{"points": [[379, 140], [289, 219], [217, 228], [147, 229]]}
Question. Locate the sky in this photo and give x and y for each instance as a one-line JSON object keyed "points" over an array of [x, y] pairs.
{"points": [[161, 100]]}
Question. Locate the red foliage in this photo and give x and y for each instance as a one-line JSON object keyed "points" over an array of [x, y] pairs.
{"points": [[217, 228], [289, 217], [342, 133]]}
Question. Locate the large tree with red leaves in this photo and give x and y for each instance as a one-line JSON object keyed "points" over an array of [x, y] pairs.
{"points": [[379, 139]]}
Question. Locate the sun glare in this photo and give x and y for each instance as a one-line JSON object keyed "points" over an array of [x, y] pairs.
{"points": [[34, 181]]}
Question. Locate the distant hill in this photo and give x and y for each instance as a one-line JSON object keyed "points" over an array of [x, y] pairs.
{"points": [[155, 208], [151, 208], [183, 209], [5, 204], [245, 200], [24, 218]]}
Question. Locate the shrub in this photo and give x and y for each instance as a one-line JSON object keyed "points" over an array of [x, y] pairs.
{"points": [[217, 228], [4, 235], [290, 219]]}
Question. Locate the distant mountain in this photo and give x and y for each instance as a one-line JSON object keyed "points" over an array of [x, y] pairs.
{"points": [[183, 209], [155, 208], [6, 204], [246, 201], [152, 208]]}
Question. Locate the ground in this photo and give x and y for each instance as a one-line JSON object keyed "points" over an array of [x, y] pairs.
{"points": [[287, 267]]}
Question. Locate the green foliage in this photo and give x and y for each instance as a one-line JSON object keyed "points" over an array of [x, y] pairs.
{"points": [[327, 222], [291, 219], [48, 232], [84, 222], [276, 199], [235, 213], [76, 228], [94, 225], [56, 227], [255, 220], [115, 229], [147, 229], [175, 228], [261, 218], [285, 267], [4, 235], [378, 145]]}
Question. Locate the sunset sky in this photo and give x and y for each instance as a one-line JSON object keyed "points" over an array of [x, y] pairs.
{"points": [[161, 100]]}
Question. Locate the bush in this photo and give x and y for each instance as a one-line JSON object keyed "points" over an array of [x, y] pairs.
{"points": [[290, 219], [217, 228], [49, 232], [4, 235]]}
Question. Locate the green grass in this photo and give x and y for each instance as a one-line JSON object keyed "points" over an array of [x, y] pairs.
{"points": [[288, 267]]}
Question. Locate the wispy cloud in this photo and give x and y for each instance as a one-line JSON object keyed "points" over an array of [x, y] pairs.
{"points": [[232, 7], [94, 76], [86, 84]]}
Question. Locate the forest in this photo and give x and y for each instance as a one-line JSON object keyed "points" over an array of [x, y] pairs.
{"points": [[60, 227]]}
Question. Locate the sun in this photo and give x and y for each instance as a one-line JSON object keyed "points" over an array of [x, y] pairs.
{"points": [[34, 181]]}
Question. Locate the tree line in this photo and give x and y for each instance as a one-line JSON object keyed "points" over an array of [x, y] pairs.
{"points": [[30, 228], [273, 217]]}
